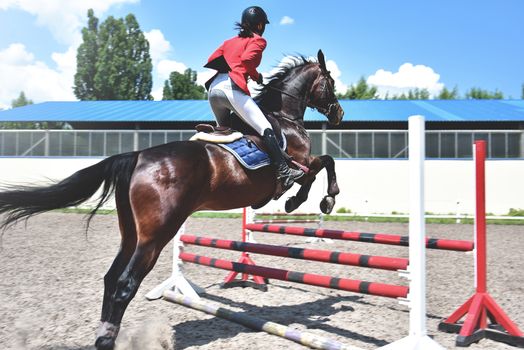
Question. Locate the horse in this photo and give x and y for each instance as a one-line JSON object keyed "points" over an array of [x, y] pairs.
{"points": [[158, 188]]}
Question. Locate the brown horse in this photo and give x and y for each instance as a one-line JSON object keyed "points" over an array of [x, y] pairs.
{"points": [[158, 188]]}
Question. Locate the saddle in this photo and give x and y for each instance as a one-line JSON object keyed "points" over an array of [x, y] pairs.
{"points": [[224, 135], [249, 150], [215, 134]]}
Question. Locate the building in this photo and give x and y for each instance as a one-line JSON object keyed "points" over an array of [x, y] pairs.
{"points": [[370, 147], [370, 129]]}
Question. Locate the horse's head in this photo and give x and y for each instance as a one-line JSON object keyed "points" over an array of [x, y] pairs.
{"points": [[322, 95]]}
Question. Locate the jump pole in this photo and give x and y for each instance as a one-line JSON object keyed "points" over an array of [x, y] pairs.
{"points": [[257, 324], [481, 305], [417, 338]]}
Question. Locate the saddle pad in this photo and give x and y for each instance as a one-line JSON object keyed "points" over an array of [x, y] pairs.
{"points": [[248, 153], [204, 136]]}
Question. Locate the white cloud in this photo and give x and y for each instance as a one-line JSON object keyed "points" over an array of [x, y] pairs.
{"points": [[332, 66], [165, 67], [286, 20], [21, 71], [159, 47], [16, 55], [35, 78], [64, 18], [407, 77]]}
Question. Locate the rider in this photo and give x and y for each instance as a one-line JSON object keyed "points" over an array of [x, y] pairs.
{"points": [[236, 60]]}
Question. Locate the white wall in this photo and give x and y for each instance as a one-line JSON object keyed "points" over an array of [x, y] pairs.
{"points": [[366, 186]]}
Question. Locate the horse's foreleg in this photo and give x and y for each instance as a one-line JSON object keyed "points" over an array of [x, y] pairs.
{"points": [[294, 202], [315, 165], [328, 202]]}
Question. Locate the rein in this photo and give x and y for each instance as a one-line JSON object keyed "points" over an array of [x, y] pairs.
{"points": [[326, 111]]}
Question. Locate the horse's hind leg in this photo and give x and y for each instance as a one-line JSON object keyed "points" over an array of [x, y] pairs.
{"points": [[157, 219], [125, 252]]}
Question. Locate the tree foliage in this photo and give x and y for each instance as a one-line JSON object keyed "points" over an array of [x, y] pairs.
{"points": [[21, 101], [480, 94], [183, 87], [113, 62], [86, 59], [412, 94], [446, 94], [360, 91], [522, 94]]}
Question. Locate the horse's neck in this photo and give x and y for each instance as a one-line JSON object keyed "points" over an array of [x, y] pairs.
{"points": [[295, 97]]}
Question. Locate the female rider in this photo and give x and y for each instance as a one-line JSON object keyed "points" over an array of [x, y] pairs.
{"points": [[236, 60]]}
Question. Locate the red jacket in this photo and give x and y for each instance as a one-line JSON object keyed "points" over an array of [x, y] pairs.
{"points": [[243, 55]]}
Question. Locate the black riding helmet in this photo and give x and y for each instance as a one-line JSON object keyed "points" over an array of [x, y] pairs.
{"points": [[254, 15]]}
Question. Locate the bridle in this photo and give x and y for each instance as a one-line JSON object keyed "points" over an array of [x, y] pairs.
{"points": [[324, 89]]}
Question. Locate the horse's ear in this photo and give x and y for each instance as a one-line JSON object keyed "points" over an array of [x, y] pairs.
{"points": [[322, 60]]}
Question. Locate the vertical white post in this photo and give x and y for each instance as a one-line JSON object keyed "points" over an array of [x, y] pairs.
{"points": [[417, 338], [417, 227]]}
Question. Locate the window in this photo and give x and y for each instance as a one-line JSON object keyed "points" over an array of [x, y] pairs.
{"points": [[399, 145], [432, 145], [381, 147], [365, 145], [464, 145], [447, 145], [514, 146]]}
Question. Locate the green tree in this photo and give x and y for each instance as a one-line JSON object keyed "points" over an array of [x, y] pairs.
{"points": [[86, 59], [446, 94], [412, 94], [21, 101], [113, 62], [522, 94], [183, 87], [360, 91], [480, 94]]}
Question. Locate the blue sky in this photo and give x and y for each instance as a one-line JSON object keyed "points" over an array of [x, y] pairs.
{"points": [[394, 45]]}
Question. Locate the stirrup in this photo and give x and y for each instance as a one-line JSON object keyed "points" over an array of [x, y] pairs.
{"points": [[285, 180], [296, 173]]}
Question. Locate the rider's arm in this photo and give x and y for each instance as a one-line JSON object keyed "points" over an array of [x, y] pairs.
{"points": [[252, 56]]}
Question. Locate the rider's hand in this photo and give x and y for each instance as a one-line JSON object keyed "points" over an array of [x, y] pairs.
{"points": [[260, 79]]}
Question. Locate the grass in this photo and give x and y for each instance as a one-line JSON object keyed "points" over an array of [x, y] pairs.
{"points": [[222, 215]]}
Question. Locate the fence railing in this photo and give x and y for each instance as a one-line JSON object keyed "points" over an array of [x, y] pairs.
{"points": [[379, 144]]}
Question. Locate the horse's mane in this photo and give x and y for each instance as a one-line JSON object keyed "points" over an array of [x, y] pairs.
{"points": [[282, 72]]}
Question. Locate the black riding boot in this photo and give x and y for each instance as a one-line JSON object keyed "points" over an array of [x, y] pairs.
{"points": [[286, 176]]}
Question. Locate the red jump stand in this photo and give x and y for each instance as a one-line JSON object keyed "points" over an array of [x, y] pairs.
{"points": [[231, 279], [481, 306]]}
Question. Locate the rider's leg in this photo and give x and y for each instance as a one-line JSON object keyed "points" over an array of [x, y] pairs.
{"points": [[220, 106], [248, 110], [219, 101]]}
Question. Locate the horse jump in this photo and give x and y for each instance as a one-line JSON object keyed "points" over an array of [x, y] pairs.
{"points": [[415, 293]]}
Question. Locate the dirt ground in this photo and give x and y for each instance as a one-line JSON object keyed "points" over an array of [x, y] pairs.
{"points": [[51, 285]]}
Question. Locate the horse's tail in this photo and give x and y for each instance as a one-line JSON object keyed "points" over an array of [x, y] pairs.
{"points": [[25, 201]]}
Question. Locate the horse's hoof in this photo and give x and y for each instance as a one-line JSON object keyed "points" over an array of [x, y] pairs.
{"points": [[106, 336], [290, 205], [327, 204], [105, 343]]}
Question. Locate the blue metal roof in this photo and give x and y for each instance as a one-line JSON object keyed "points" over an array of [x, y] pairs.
{"points": [[199, 111]]}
